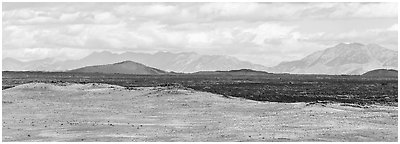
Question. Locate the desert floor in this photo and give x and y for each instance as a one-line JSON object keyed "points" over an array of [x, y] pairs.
{"points": [[100, 112]]}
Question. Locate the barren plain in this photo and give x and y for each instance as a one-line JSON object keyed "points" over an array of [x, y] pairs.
{"points": [[102, 112]]}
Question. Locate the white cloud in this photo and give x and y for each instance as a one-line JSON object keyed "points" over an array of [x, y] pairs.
{"points": [[228, 9], [204, 12], [38, 20], [73, 29], [159, 9], [69, 17], [269, 32], [375, 10], [19, 14], [393, 28], [383, 36], [28, 54], [105, 18], [199, 38], [16, 36]]}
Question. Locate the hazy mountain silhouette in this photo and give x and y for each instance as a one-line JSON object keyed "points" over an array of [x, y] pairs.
{"points": [[382, 73], [233, 72], [125, 67], [178, 62], [11, 64], [36, 65], [353, 58]]}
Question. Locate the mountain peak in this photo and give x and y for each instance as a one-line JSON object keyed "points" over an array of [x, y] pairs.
{"points": [[124, 67], [162, 52], [350, 44], [344, 58], [127, 62]]}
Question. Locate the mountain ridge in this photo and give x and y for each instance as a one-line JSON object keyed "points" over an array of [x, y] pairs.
{"points": [[352, 58], [178, 62], [381, 73], [343, 58], [234, 72]]}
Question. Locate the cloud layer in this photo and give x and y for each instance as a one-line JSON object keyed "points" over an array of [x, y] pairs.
{"points": [[263, 33]]}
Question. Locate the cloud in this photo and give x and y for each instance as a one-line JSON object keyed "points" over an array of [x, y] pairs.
{"points": [[228, 9], [159, 9], [172, 13], [383, 36], [19, 14], [105, 18], [270, 31], [28, 54], [264, 33], [69, 17], [15, 37], [374, 10], [393, 28], [295, 11]]}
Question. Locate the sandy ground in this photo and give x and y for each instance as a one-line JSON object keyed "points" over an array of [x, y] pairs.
{"points": [[99, 112]]}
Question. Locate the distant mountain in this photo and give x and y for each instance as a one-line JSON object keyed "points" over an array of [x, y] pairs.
{"points": [[36, 65], [178, 62], [234, 72], [353, 58], [125, 67], [11, 64], [382, 73]]}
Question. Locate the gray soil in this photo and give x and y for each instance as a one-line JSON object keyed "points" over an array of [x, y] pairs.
{"points": [[99, 112]]}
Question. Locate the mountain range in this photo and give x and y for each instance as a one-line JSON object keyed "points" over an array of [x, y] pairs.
{"points": [[352, 58], [344, 58], [177, 62]]}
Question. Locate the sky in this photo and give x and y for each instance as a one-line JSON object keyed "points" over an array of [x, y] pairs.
{"points": [[261, 33]]}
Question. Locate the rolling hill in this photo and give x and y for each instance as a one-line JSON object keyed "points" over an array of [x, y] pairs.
{"points": [[233, 72], [382, 73], [125, 67]]}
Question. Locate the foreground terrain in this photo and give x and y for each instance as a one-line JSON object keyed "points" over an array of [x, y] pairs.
{"points": [[102, 112], [352, 89]]}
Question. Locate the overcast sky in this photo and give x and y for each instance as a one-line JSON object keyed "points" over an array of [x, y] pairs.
{"points": [[262, 33]]}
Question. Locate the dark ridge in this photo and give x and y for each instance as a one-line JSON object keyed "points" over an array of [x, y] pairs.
{"points": [[287, 88], [124, 67], [382, 73], [234, 72]]}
